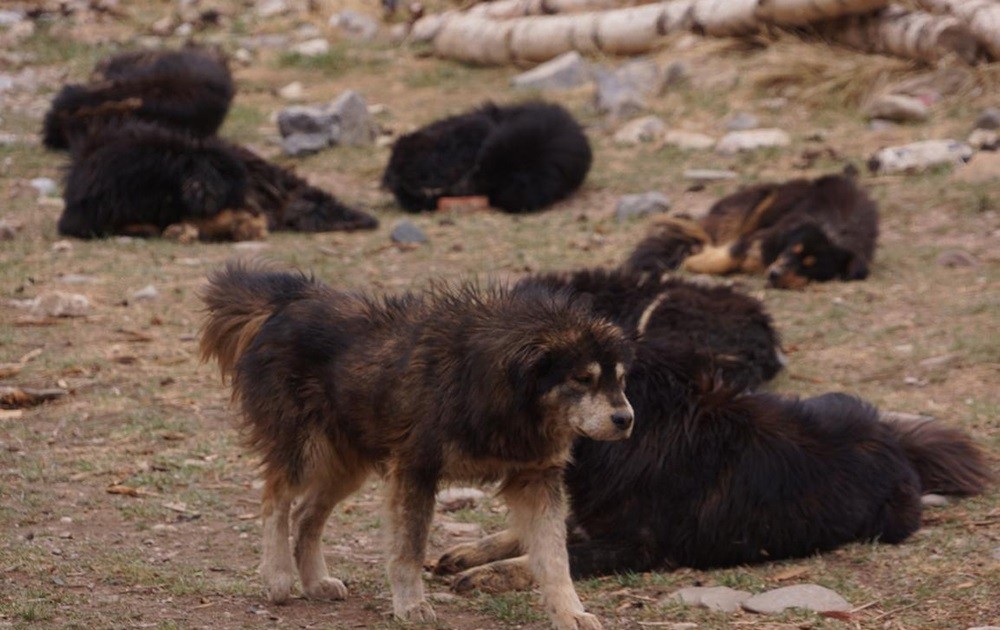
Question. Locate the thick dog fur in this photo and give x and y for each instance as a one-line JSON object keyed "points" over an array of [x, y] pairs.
{"points": [[454, 384], [795, 232], [522, 157], [717, 476], [187, 90], [142, 179]]}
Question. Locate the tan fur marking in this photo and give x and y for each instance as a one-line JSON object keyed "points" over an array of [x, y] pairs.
{"points": [[808, 261], [715, 260], [502, 576], [647, 314], [753, 262], [752, 221], [499, 546], [619, 371]]}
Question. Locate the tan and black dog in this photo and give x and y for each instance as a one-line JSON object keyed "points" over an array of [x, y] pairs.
{"points": [[795, 232], [455, 384]]}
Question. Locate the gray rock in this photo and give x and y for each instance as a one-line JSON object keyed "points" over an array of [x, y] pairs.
{"points": [[614, 96], [985, 628], [56, 304], [77, 278], [312, 47], [898, 108], [984, 139], [989, 119], [566, 71], [271, 8], [243, 56], [406, 232], [294, 91], [9, 18], [741, 121], [354, 24], [645, 129], [676, 73], [809, 596], [267, 40], [637, 206], [45, 186], [919, 156], [751, 140], [709, 175], [957, 258], [933, 500], [688, 140], [184, 30], [452, 499], [352, 125], [305, 143], [644, 75], [148, 292], [301, 119], [307, 31], [718, 598]]}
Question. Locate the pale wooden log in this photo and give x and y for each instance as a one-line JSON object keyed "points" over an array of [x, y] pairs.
{"points": [[802, 12], [540, 40], [724, 17], [475, 39], [506, 9], [981, 16], [902, 33], [636, 30]]}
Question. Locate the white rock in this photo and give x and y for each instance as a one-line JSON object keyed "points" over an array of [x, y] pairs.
{"points": [[898, 108], [645, 129], [243, 56], [809, 596], [688, 140], [741, 121], [294, 91], [709, 175], [984, 139], [184, 30], [638, 206], [718, 598], [919, 156], [56, 304], [147, 292], [452, 499], [64, 245], [45, 186], [933, 500], [312, 47], [271, 8], [568, 70], [751, 140]]}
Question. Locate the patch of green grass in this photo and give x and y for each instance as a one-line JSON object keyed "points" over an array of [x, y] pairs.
{"points": [[510, 608]]}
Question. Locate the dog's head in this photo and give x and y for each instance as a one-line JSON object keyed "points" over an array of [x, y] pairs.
{"points": [[578, 378], [808, 254]]}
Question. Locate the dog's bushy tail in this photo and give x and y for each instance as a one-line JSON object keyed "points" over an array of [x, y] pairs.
{"points": [[946, 459], [239, 299], [667, 245]]}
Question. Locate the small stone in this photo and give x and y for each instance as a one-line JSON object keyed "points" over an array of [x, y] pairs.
{"points": [[406, 232], [352, 125], [307, 31], [453, 499], [877, 124], [688, 140], [645, 129], [566, 71], [957, 258], [752, 139], [989, 119], [984, 139], [243, 56], [774, 104], [709, 175], [616, 95], [62, 246], [443, 598], [718, 598], [57, 304], [933, 500], [741, 121], [184, 30], [938, 361], [919, 156], [305, 143], [147, 292], [643, 75], [354, 24], [982, 168], [76, 278], [9, 18], [638, 206], [45, 186], [312, 47], [250, 246], [271, 8], [301, 119], [294, 91], [985, 628], [809, 596], [163, 26], [995, 553], [898, 108]]}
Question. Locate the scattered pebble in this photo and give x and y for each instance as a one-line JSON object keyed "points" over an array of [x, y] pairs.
{"points": [[63, 245], [898, 108], [148, 292], [405, 232], [637, 206], [751, 140], [709, 175], [622, 92], [688, 140], [877, 124], [243, 56], [354, 24], [645, 129], [76, 278], [984, 139], [566, 71], [312, 47], [453, 499], [742, 121], [294, 91], [45, 186], [271, 8], [718, 598], [919, 156], [809, 596], [250, 246], [933, 500]]}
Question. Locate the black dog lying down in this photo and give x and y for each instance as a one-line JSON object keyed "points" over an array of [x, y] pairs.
{"points": [[188, 89], [142, 179], [714, 475], [522, 157], [794, 232]]}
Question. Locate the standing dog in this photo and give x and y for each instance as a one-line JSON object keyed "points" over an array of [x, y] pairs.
{"points": [[794, 232], [456, 384], [522, 157]]}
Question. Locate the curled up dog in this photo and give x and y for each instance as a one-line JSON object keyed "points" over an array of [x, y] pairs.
{"points": [[460, 383]]}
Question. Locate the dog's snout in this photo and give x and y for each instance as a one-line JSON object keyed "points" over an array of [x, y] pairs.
{"points": [[621, 419]]}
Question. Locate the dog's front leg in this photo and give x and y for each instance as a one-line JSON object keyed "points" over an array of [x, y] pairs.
{"points": [[409, 510], [538, 517]]}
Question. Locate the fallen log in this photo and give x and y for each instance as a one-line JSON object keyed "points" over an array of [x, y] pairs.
{"points": [[982, 17]]}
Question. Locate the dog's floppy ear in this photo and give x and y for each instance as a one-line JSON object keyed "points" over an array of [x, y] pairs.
{"points": [[856, 269], [531, 372]]}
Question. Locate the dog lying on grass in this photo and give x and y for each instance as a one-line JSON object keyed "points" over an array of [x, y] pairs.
{"points": [[716, 475], [522, 157], [459, 383], [142, 179], [795, 232], [186, 90]]}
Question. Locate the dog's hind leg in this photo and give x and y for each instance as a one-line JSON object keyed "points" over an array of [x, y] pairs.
{"points": [[409, 510], [276, 559], [538, 518], [309, 517], [499, 546]]}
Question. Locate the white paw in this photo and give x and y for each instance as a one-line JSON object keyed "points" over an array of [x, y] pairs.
{"points": [[279, 587], [418, 612], [575, 621], [327, 588]]}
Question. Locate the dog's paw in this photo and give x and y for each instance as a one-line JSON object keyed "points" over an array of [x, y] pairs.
{"points": [[183, 233], [457, 559], [498, 577], [279, 588], [327, 589], [576, 621], [420, 612]]}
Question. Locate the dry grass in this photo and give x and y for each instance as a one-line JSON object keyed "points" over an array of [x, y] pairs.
{"points": [[916, 337]]}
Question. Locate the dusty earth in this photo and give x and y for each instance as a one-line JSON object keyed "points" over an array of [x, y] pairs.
{"points": [[129, 503]]}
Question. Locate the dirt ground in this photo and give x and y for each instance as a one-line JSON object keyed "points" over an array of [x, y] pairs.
{"points": [[128, 503]]}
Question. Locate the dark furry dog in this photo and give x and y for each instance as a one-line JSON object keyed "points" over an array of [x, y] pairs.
{"points": [[454, 384], [522, 157], [143, 179], [188, 90], [795, 232], [717, 476]]}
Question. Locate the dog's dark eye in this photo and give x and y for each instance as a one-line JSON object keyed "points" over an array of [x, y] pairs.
{"points": [[584, 379]]}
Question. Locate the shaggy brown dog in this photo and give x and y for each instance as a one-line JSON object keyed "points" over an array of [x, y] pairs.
{"points": [[716, 476], [794, 232], [455, 384]]}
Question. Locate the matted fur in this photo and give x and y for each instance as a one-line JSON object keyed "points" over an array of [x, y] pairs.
{"points": [[795, 232], [140, 178], [459, 383], [188, 90], [522, 157], [715, 475]]}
